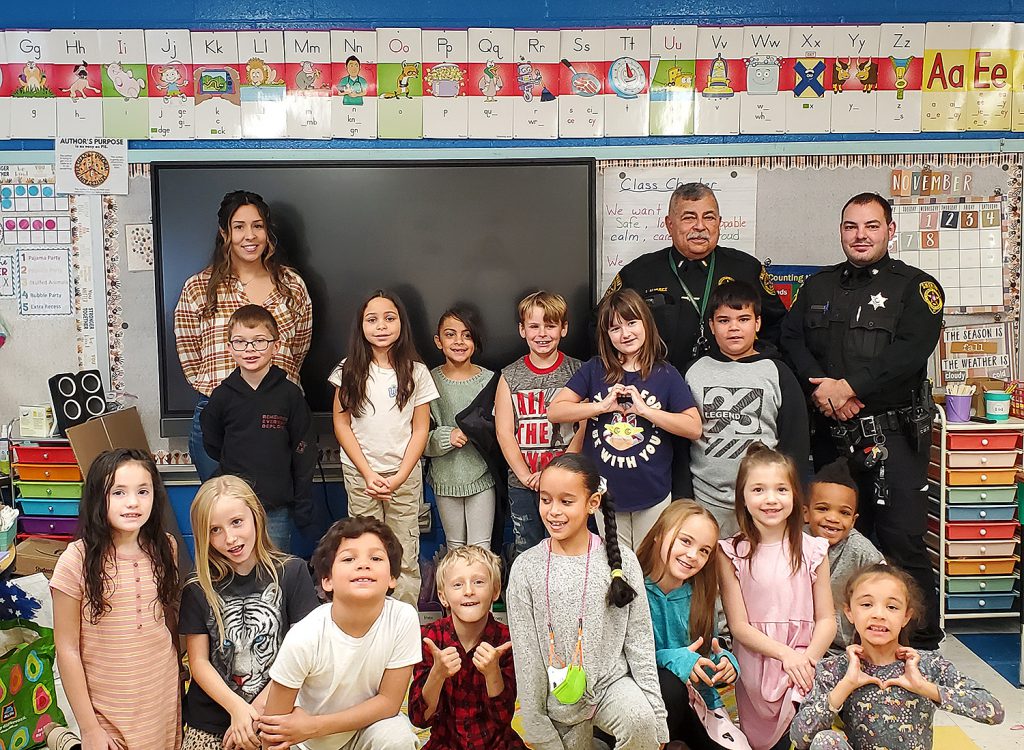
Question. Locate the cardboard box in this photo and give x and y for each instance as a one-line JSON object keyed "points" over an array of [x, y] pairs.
{"points": [[118, 429], [35, 555], [982, 385]]}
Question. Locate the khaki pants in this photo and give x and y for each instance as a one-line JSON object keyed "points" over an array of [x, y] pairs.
{"points": [[401, 514], [633, 527]]}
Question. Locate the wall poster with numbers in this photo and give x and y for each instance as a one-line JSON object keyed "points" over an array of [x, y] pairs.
{"points": [[959, 241]]}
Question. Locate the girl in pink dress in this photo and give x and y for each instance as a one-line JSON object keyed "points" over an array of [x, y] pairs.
{"points": [[777, 597]]}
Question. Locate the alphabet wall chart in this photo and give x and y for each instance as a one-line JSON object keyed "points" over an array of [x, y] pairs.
{"points": [[177, 84]]}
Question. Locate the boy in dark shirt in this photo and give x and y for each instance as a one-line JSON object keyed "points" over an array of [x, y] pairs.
{"points": [[258, 426]]}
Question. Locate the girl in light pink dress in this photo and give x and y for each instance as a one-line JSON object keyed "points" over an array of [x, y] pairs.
{"points": [[777, 598]]}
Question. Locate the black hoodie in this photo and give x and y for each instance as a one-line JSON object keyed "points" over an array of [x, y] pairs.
{"points": [[266, 437]]}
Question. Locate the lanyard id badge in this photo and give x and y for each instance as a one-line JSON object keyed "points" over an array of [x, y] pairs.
{"points": [[701, 347]]}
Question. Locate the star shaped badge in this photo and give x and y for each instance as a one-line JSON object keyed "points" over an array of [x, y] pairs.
{"points": [[878, 301]]}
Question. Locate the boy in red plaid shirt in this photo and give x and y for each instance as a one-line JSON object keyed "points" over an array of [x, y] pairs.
{"points": [[465, 687]]}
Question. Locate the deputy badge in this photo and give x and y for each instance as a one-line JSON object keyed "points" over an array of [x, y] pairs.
{"points": [[615, 286], [932, 296], [766, 281], [725, 279]]}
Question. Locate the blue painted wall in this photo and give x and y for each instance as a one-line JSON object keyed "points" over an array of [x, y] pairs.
{"points": [[236, 14]]}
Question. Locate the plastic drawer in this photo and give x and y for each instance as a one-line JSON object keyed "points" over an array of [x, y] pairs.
{"points": [[977, 441], [50, 490], [981, 549], [48, 472], [49, 507], [977, 530], [980, 512], [979, 602], [980, 584], [993, 566], [959, 477], [978, 495], [981, 459], [48, 525], [44, 454]]}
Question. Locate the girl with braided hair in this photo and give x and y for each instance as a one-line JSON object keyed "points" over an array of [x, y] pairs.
{"points": [[582, 638]]}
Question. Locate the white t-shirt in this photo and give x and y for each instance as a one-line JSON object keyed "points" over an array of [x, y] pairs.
{"points": [[384, 431], [334, 671]]}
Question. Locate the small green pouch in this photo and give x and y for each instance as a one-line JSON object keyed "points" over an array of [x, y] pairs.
{"points": [[572, 686]]}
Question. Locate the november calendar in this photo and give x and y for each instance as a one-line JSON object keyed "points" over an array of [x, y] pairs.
{"points": [[960, 243]]}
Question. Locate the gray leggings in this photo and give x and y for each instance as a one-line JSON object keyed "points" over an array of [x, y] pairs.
{"points": [[467, 520]]}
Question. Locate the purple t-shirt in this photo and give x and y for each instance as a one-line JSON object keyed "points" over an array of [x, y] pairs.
{"points": [[630, 452]]}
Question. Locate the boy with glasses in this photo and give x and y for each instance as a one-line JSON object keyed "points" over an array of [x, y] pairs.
{"points": [[258, 426]]}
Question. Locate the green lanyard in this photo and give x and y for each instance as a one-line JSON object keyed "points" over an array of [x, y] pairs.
{"points": [[702, 342]]}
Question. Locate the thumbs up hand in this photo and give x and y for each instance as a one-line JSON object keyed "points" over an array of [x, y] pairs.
{"points": [[447, 662], [487, 658]]}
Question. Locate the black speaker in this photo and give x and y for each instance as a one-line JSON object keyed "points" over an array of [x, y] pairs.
{"points": [[76, 397]]}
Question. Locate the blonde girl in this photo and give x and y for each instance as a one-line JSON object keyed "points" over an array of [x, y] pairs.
{"points": [[115, 600], [235, 611], [885, 692], [678, 560], [776, 594], [633, 402], [381, 419]]}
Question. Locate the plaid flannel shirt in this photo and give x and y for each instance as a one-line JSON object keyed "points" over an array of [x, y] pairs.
{"points": [[202, 342]]}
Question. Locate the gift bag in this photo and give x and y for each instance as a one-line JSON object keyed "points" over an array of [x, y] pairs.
{"points": [[27, 695]]}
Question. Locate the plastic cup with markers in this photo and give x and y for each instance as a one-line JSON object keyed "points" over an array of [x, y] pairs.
{"points": [[958, 402]]}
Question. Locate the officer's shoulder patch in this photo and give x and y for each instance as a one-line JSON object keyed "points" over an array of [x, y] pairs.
{"points": [[931, 295], [766, 282], [725, 279], [615, 286]]}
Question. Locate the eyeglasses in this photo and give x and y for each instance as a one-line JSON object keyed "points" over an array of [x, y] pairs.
{"points": [[258, 345]]}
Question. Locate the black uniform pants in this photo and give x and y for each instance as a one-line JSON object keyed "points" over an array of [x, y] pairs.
{"points": [[899, 526]]}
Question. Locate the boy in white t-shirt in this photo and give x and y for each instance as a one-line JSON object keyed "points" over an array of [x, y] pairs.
{"points": [[342, 672]]}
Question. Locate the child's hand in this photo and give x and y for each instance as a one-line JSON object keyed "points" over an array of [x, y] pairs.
{"points": [[530, 481], [487, 658], [638, 405], [281, 731], [457, 438], [725, 672], [800, 669], [447, 662], [854, 676], [242, 732], [610, 403], [377, 486], [911, 679], [98, 739], [697, 674]]}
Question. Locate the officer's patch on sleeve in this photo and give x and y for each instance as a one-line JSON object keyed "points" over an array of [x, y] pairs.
{"points": [[724, 279], [615, 286], [766, 281], [931, 295]]}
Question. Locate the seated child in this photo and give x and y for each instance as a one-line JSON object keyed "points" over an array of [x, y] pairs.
{"points": [[831, 512], [465, 687], [745, 395], [258, 426], [885, 692], [342, 672]]}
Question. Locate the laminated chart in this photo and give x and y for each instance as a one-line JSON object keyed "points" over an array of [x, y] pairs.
{"points": [[960, 244], [33, 214]]}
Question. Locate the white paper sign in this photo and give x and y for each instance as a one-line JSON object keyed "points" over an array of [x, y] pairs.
{"points": [[44, 282], [635, 201], [92, 165]]}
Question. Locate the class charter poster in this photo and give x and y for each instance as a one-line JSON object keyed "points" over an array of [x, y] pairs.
{"points": [[635, 201]]}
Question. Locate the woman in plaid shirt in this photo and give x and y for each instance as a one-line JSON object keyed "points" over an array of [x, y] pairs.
{"points": [[246, 269]]}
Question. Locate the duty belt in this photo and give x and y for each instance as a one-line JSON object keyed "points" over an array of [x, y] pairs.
{"points": [[876, 424]]}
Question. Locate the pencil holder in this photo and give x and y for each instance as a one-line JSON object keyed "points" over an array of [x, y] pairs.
{"points": [[958, 408], [997, 405]]}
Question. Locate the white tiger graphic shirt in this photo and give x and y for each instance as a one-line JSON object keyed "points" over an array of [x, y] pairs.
{"points": [[257, 613]]}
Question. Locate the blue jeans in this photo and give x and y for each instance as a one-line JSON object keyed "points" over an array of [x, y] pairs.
{"points": [[205, 466], [527, 527], [279, 529]]}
